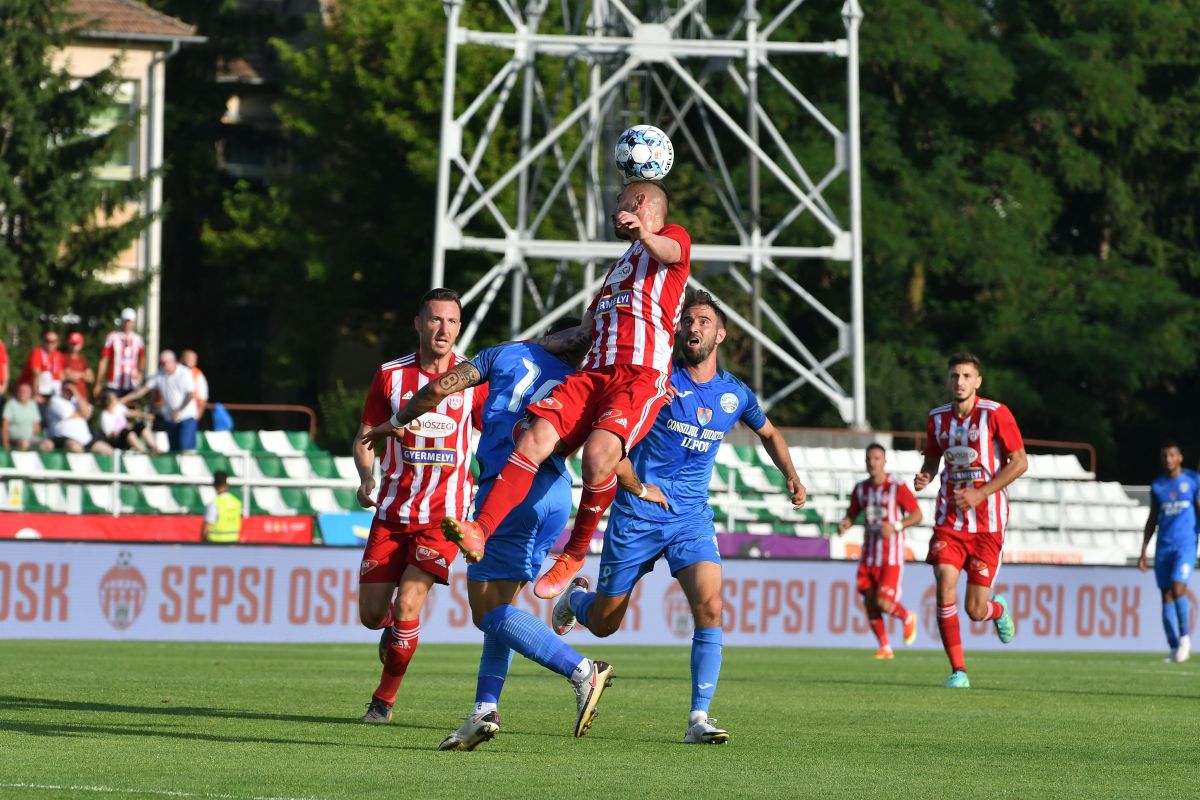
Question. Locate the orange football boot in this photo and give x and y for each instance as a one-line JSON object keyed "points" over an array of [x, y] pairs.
{"points": [[558, 577], [467, 535]]}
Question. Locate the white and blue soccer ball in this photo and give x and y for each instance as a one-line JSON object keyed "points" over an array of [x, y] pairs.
{"points": [[644, 153]]}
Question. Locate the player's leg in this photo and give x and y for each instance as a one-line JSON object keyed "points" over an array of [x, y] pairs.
{"points": [[701, 584], [878, 625], [567, 564], [982, 567], [379, 573], [404, 633], [1164, 568], [887, 597], [946, 575]]}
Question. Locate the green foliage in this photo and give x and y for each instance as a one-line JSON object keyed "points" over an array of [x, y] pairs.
{"points": [[341, 412], [54, 235]]}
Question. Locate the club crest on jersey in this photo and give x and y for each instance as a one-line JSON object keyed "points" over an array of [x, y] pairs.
{"points": [[549, 402], [430, 456], [1183, 487], [433, 424], [455, 401], [961, 456], [973, 435], [729, 402], [704, 415], [426, 553]]}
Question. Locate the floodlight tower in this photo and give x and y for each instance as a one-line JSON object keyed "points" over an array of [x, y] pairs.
{"points": [[524, 171]]}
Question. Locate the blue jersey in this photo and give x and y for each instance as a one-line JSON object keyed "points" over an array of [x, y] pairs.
{"points": [[1175, 499], [518, 374], [678, 454]]}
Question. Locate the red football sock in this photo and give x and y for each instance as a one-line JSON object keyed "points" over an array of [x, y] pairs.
{"points": [[880, 628], [898, 611], [947, 619], [995, 611], [507, 492], [400, 651], [594, 501]]}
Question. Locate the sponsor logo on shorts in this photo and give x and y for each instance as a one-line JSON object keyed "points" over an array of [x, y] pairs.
{"points": [[430, 456], [677, 612], [612, 412], [978, 565], [704, 415], [729, 402], [549, 402], [455, 401], [367, 565], [433, 424], [611, 302], [937, 547], [122, 592], [441, 562], [426, 553]]}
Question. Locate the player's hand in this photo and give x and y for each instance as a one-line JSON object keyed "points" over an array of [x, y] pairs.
{"points": [[366, 493], [655, 495], [921, 480], [844, 525], [797, 491], [672, 393], [630, 224], [968, 498], [378, 434], [888, 530], [1142, 562]]}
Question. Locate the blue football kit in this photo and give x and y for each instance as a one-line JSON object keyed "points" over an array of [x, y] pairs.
{"points": [[1175, 554]]}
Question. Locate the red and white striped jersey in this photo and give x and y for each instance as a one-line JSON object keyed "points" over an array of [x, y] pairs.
{"points": [[427, 472], [124, 352], [973, 448], [890, 501], [636, 313]]}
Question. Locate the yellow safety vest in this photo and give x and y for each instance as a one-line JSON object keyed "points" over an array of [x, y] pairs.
{"points": [[228, 526]]}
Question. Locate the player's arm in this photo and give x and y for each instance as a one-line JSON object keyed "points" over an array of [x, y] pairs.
{"points": [[572, 340], [1148, 531], [627, 479], [663, 249], [460, 377], [101, 369], [912, 512], [773, 442], [1015, 467], [851, 512], [364, 462]]}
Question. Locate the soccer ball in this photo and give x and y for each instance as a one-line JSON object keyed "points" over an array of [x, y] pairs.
{"points": [[644, 152]]}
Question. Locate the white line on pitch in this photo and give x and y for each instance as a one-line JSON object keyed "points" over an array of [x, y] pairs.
{"points": [[156, 792]]}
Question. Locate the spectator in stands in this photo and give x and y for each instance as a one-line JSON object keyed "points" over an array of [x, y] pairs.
{"points": [[22, 423], [3, 370], [223, 516], [118, 432], [189, 359], [75, 365], [123, 358], [177, 391], [67, 424], [44, 368]]}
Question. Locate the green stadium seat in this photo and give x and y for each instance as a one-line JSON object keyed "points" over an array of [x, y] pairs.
{"points": [[277, 442], [347, 499], [166, 464], [297, 467], [248, 440], [322, 466], [188, 498], [323, 501], [194, 466], [302, 442], [54, 460], [27, 462], [268, 500], [218, 461], [297, 500], [31, 500], [6, 461], [160, 500], [220, 442], [271, 466], [132, 499], [345, 468]]}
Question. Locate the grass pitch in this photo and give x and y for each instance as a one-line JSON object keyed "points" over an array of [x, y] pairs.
{"points": [[133, 720]]}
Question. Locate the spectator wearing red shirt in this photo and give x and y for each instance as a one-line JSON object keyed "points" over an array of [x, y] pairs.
{"points": [[44, 368], [3, 369], [76, 367]]}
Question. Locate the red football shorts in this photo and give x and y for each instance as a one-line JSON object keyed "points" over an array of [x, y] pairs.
{"points": [[977, 553], [884, 580], [621, 399], [392, 546]]}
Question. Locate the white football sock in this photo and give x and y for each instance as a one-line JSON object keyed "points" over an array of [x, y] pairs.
{"points": [[583, 671]]}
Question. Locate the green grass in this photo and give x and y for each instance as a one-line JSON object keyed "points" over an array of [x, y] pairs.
{"points": [[245, 721]]}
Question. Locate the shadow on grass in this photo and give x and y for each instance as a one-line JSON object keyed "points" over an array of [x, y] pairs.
{"points": [[1000, 689]]}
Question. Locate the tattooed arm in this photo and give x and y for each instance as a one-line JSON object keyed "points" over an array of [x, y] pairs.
{"points": [[572, 340], [461, 377]]}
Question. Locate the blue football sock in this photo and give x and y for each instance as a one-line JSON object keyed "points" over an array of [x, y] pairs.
{"points": [[530, 637], [581, 602], [493, 669], [1184, 611], [706, 666], [1170, 618]]}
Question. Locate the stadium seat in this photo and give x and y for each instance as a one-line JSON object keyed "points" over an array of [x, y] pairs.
{"points": [[168, 463], [297, 467], [160, 500], [54, 460], [27, 462], [188, 499], [296, 500], [269, 500], [345, 468], [6, 461], [219, 461], [51, 497], [248, 441], [302, 442], [269, 465], [221, 442], [85, 463], [323, 501], [193, 466], [161, 441], [322, 465], [277, 442], [137, 464]]}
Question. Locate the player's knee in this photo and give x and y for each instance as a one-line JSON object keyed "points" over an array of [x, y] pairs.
{"points": [[372, 615], [977, 611], [708, 612], [884, 604]]}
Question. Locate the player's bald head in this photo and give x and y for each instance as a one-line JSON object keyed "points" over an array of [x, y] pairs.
{"points": [[653, 193]]}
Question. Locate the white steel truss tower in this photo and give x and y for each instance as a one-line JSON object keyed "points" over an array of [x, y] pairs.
{"points": [[525, 172]]}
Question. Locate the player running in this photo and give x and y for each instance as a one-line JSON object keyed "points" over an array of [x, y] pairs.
{"points": [[983, 452], [678, 456], [426, 475], [1174, 499], [888, 508], [614, 398], [517, 374]]}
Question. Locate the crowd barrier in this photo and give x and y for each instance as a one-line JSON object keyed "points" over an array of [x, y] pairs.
{"points": [[306, 594]]}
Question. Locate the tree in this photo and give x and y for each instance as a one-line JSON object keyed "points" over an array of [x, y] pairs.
{"points": [[56, 217]]}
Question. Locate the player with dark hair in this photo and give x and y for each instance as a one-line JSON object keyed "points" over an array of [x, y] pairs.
{"points": [[888, 507], [426, 476], [983, 452], [1174, 500], [612, 401], [517, 374], [678, 456]]}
